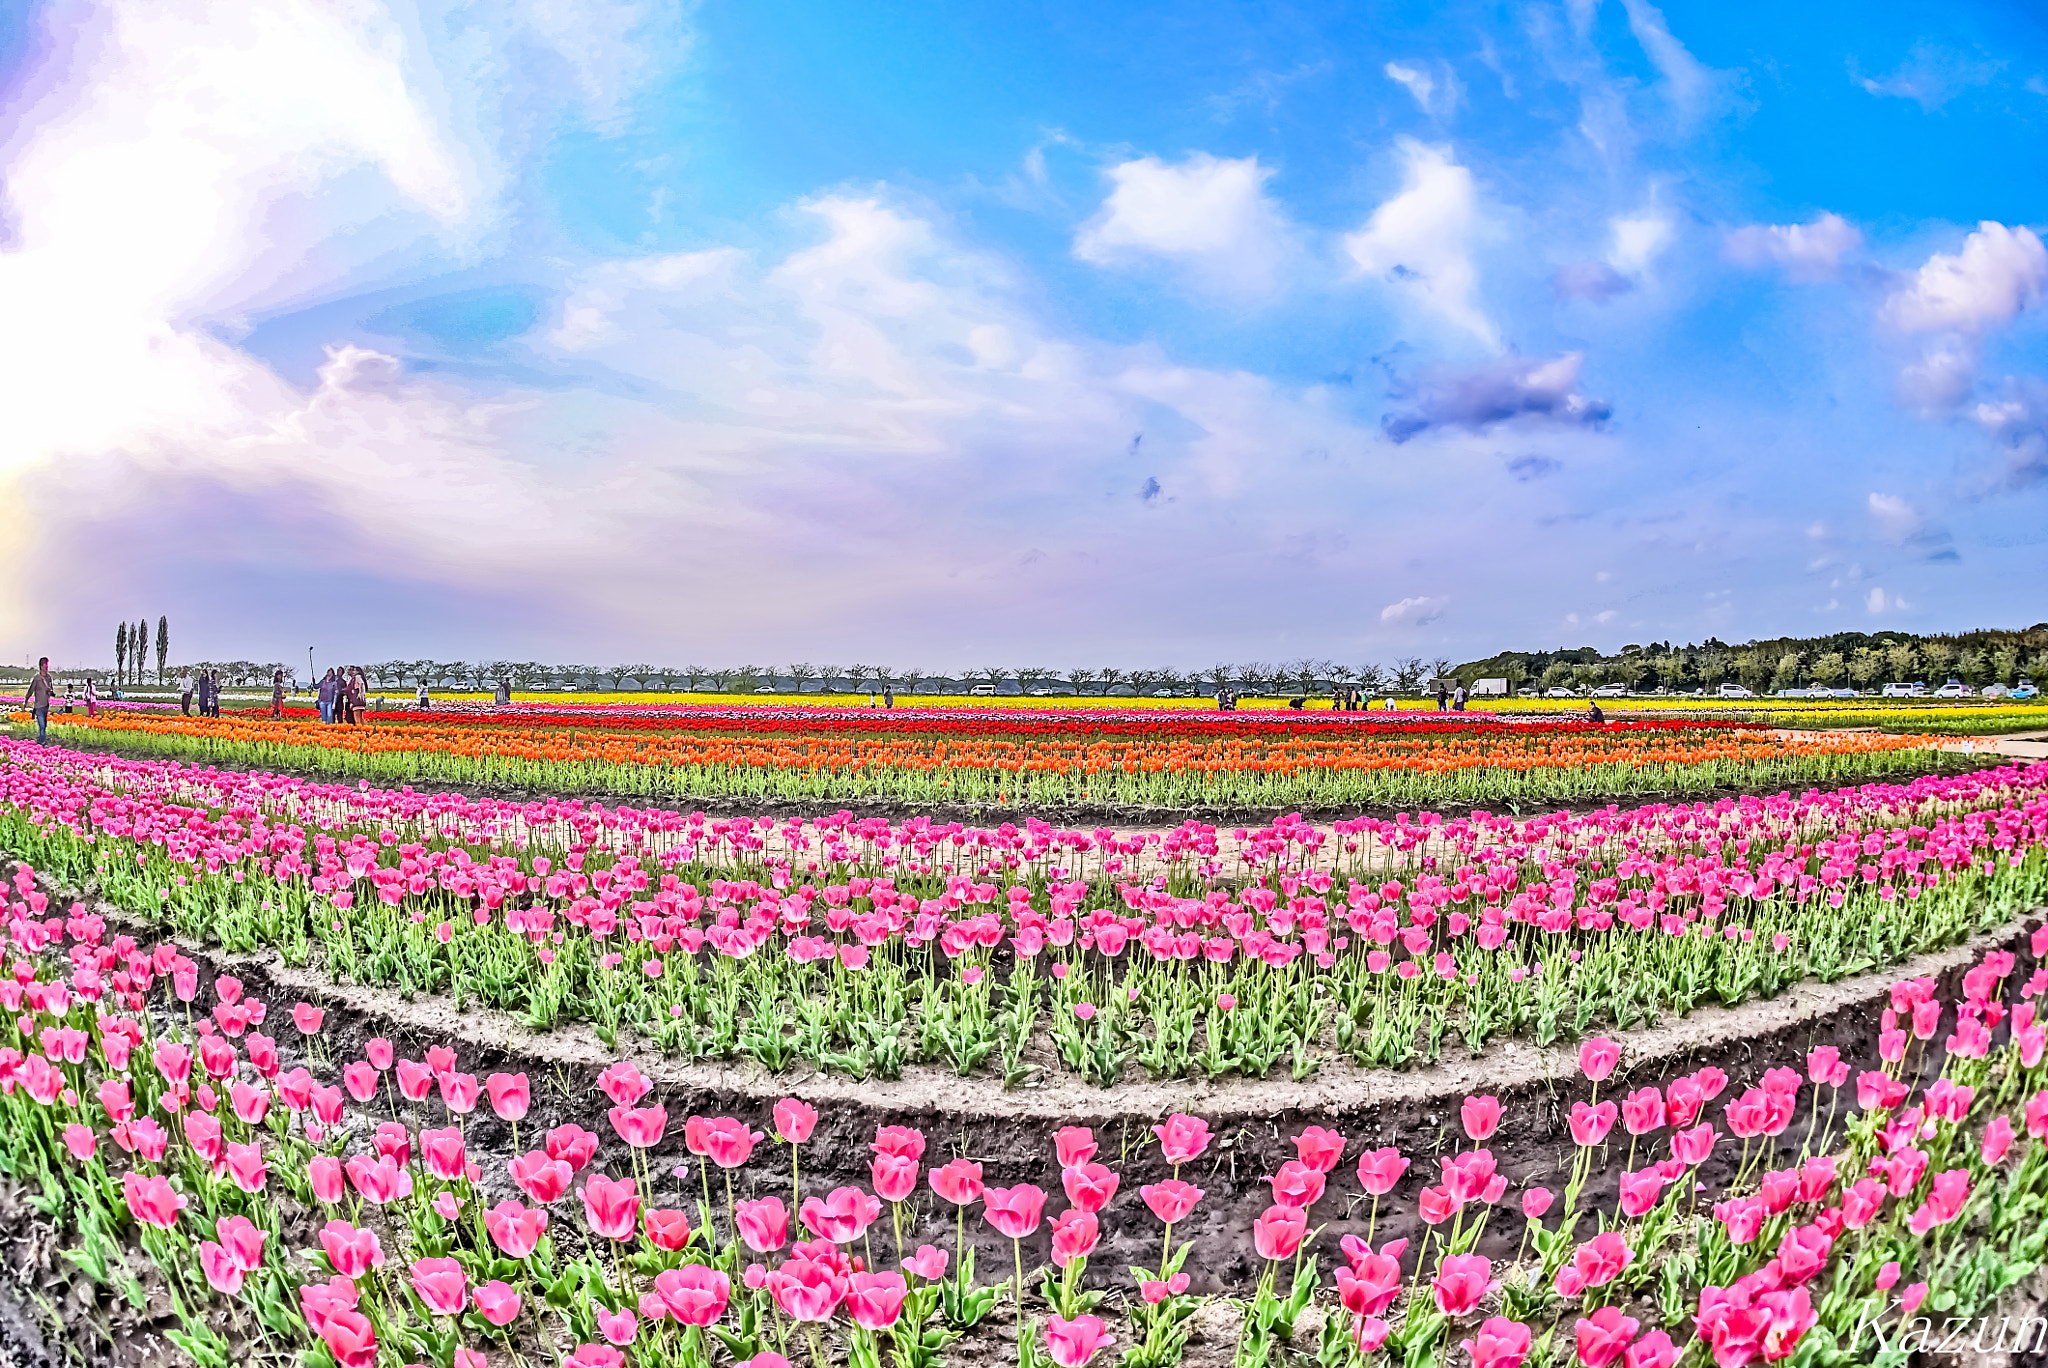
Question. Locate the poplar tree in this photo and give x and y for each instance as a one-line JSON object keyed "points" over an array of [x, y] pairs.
{"points": [[163, 646]]}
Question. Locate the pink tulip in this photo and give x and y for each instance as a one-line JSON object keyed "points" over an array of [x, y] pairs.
{"points": [[1379, 1170], [1072, 1343], [763, 1224], [842, 1217], [1462, 1281], [1278, 1232], [1014, 1212], [794, 1120], [1499, 1343], [510, 1095], [1171, 1200], [1089, 1186], [1603, 1336], [874, 1301], [350, 1252], [1074, 1236], [1597, 1058], [899, 1142], [610, 1207], [958, 1181], [1182, 1139], [1073, 1145], [515, 1229], [1481, 1116], [441, 1285]]}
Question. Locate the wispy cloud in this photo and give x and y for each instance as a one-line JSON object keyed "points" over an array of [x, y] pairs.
{"points": [[1208, 215]]}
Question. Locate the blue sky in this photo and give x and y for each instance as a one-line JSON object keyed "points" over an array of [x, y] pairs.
{"points": [[943, 335]]}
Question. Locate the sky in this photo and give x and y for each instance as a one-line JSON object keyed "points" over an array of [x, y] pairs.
{"points": [[947, 336]]}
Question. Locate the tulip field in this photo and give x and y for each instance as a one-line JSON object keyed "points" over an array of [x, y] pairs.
{"points": [[263, 1179], [1093, 758]]}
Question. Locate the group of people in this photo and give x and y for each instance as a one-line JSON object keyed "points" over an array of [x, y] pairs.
{"points": [[203, 689], [344, 694]]}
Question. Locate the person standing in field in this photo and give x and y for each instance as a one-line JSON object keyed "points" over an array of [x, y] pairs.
{"points": [[1458, 698], [277, 695], [1443, 697], [888, 696], [37, 698], [91, 698], [328, 688], [185, 693], [358, 694]]}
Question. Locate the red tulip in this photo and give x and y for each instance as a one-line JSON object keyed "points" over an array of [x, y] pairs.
{"points": [[669, 1230]]}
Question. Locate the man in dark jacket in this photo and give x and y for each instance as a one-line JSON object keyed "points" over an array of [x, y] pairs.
{"points": [[37, 698]]}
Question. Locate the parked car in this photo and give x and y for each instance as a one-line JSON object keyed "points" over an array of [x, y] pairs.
{"points": [[1557, 691], [1841, 693], [2024, 689], [1900, 690], [1735, 691], [982, 691], [1955, 688], [1611, 691]]}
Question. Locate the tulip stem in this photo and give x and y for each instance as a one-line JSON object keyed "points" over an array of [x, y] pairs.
{"points": [[1017, 1251]]}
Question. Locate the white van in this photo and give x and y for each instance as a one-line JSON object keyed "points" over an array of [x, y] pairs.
{"points": [[1735, 691], [1904, 690]]}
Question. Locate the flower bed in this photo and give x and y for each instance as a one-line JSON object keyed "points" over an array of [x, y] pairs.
{"points": [[864, 947], [286, 1188], [1030, 760]]}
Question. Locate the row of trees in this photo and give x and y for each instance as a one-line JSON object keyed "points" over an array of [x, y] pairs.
{"points": [[1301, 676], [131, 650], [1851, 659]]}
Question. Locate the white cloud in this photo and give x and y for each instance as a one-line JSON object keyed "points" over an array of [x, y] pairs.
{"points": [[1420, 240], [1414, 612], [1690, 83], [1208, 214], [1638, 240], [1806, 251], [1897, 521], [1941, 377], [1878, 601], [1434, 86], [1999, 272], [1959, 298], [1930, 76]]}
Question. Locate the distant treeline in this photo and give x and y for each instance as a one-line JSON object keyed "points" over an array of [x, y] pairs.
{"points": [[1844, 659]]}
